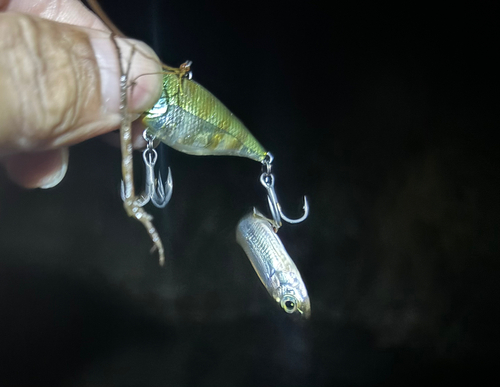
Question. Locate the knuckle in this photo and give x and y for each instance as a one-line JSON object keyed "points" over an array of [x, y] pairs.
{"points": [[52, 79]]}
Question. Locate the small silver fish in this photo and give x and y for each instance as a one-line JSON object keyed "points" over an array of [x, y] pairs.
{"points": [[256, 235]]}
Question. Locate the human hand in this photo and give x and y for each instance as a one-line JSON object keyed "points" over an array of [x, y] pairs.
{"points": [[59, 85]]}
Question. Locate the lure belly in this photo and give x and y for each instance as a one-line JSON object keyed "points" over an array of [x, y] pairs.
{"points": [[188, 118], [273, 265]]}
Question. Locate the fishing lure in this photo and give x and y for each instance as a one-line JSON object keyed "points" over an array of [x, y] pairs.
{"points": [[256, 235], [188, 118]]}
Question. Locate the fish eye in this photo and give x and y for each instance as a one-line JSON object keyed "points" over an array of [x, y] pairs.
{"points": [[289, 304]]}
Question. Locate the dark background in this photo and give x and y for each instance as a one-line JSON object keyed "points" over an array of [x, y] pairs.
{"points": [[383, 117]]}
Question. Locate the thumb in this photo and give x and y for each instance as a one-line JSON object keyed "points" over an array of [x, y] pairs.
{"points": [[59, 84]]}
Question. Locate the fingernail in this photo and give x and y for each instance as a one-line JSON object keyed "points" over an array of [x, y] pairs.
{"points": [[145, 73], [56, 177]]}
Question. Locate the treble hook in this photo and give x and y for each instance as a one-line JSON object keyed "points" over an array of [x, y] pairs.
{"points": [[267, 180], [154, 190]]}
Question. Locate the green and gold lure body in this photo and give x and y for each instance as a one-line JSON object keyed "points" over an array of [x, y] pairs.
{"points": [[190, 119]]}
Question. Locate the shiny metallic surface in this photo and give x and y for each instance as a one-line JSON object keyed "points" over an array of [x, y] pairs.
{"points": [[272, 263], [155, 190], [188, 118], [267, 180]]}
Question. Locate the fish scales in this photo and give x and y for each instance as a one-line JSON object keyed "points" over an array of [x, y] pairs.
{"points": [[189, 118], [273, 265]]}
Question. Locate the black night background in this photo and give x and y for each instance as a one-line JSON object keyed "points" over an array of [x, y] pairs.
{"points": [[382, 117]]}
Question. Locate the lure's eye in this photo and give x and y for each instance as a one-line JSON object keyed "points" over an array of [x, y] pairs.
{"points": [[289, 304]]}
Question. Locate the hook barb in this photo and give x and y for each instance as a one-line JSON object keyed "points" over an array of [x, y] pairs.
{"points": [[163, 192]]}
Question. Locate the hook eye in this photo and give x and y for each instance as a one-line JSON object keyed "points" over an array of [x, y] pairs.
{"points": [[150, 156]]}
